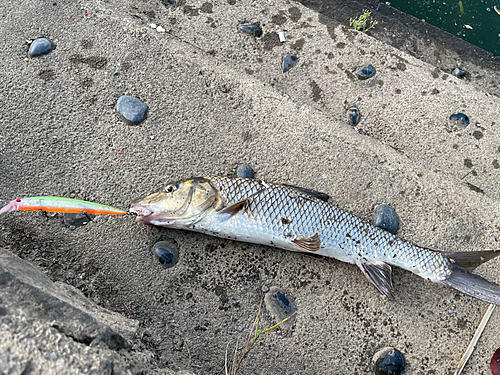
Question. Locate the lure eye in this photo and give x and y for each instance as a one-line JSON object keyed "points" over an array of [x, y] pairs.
{"points": [[18, 200], [170, 188]]}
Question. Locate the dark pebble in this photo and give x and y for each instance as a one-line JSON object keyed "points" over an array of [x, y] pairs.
{"points": [[289, 61], [131, 110], [244, 171], [77, 220], [460, 120], [40, 46], [366, 72], [279, 305], [388, 361], [459, 73], [353, 116], [167, 253], [251, 29], [283, 302], [385, 218]]}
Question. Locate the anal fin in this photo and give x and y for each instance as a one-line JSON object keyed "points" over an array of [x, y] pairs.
{"points": [[310, 244], [380, 276]]}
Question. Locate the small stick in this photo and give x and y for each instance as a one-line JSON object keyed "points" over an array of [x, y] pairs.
{"points": [[475, 339]]}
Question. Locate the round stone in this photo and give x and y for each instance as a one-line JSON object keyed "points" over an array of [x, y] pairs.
{"points": [[252, 30], [131, 110], [244, 171], [459, 73], [460, 120], [40, 46], [289, 61], [388, 361], [166, 252], [265, 289], [366, 72], [385, 218], [353, 116]]}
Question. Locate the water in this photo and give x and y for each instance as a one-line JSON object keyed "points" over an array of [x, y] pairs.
{"points": [[475, 21]]}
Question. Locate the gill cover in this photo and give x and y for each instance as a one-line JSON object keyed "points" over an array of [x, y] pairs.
{"points": [[178, 204]]}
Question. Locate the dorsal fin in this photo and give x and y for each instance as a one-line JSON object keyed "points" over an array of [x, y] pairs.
{"points": [[313, 193], [380, 276], [311, 244]]}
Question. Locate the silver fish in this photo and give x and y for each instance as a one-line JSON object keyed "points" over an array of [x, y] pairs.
{"points": [[298, 219]]}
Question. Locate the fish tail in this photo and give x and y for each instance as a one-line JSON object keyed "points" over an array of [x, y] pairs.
{"points": [[461, 279]]}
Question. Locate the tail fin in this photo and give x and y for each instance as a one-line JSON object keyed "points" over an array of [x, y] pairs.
{"points": [[473, 285], [470, 259]]}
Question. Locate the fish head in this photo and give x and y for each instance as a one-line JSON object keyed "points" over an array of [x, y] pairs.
{"points": [[179, 204]]}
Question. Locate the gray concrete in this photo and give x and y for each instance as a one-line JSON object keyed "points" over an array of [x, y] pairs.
{"points": [[217, 99]]}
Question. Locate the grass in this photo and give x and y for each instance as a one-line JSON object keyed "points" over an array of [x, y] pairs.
{"points": [[254, 338], [364, 22], [472, 170]]}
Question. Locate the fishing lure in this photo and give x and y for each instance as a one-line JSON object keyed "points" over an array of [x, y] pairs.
{"points": [[59, 204]]}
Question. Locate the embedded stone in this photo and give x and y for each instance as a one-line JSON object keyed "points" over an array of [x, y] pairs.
{"points": [[131, 110], [459, 73], [353, 116], [40, 46], [244, 171], [280, 306], [366, 72], [166, 252], [289, 61], [460, 120], [386, 218], [252, 30], [388, 361]]}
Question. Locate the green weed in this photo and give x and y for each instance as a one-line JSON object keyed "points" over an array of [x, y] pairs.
{"points": [[364, 22], [254, 338]]}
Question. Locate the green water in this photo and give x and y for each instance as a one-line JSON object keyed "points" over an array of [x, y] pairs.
{"points": [[475, 21]]}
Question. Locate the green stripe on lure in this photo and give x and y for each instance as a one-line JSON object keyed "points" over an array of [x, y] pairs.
{"points": [[59, 204]]}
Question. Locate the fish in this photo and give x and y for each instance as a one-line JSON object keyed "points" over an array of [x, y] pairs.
{"points": [[302, 220], [59, 204]]}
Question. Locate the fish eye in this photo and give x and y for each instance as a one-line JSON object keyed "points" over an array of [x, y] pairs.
{"points": [[170, 188]]}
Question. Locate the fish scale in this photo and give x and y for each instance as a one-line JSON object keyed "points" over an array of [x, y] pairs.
{"points": [[342, 235], [298, 219]]}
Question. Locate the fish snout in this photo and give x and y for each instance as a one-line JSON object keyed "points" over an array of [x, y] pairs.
{"points": [[140, 211]]}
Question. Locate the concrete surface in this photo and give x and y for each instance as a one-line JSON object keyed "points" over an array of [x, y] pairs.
{"points": [[216, 99]]}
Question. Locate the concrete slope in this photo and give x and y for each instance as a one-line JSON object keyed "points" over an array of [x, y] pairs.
{"points": [[407, 104], [61, 136]]}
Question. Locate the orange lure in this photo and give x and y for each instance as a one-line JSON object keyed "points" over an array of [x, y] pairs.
{"points": [[58, 204]]}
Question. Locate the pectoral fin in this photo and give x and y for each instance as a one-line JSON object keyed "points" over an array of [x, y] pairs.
{"points": [[380, 276], [234, 208], [311, 244]]}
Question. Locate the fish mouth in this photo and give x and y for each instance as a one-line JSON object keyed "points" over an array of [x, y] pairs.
{"points": [[146, 215]]}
